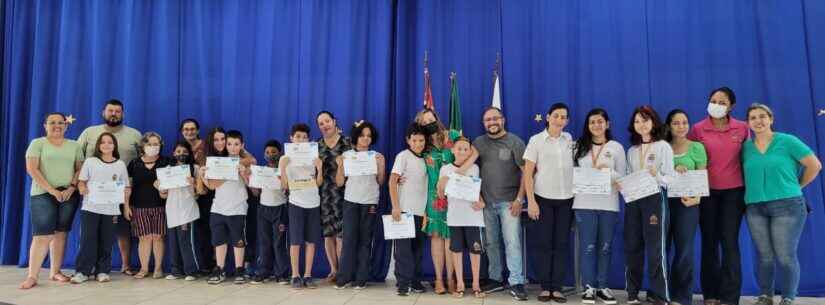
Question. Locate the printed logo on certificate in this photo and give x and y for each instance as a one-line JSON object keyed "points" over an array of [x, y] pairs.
{"points": [[301, 154], [264, 177], [360, 163], [173, 177], [108, 192], [222, 168]]}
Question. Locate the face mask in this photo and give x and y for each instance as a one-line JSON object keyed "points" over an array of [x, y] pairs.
{"points": [[717, 111], [182, 158], [273, 159], [151, 151], [431, 128]]}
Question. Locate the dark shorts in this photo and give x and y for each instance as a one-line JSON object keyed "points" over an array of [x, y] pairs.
{"points": [[228, 230], [304, 225], [49, 216], [466, 239]]}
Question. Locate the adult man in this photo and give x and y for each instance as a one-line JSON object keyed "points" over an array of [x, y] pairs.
{"points": [[500, 159], [127, 140]]}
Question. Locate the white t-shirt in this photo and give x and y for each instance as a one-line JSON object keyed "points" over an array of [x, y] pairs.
{"points": [[307, 198], [460, 212], [554, 164], [361, 189], [413, 193], [181, 207], [273, 198], [230, 198], [658, 154], [95, 170], [612, 155]]}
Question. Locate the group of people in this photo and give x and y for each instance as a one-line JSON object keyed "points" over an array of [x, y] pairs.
{"points": [[754, 172]]}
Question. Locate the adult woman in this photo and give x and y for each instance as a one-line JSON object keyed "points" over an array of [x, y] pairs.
{"points": [[147, 211], [720, 215], [684, 212], [53, 163], [776, 210], [190, 130], [331, 145], [548, 183]]}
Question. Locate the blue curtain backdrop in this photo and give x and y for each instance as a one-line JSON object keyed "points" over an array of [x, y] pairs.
{"points": [[260, 66]]}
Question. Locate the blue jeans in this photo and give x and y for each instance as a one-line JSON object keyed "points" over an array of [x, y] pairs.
{"points": [[595, 229], [500, 225], [776, 227], [682, 236]]}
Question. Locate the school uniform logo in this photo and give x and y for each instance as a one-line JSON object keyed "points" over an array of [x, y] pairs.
{"points": [[654, 220]]}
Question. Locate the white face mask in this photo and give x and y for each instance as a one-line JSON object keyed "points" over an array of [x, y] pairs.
{"points": [[151, 151], [717, 111]]}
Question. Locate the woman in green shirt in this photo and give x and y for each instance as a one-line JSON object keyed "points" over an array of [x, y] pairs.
{"points": [[776, 210], [684, 212], [53, 163]]}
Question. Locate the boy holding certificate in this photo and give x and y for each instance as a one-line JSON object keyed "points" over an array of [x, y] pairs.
{"points": [[304, 208], [464, 218], [228, 214], [272, 225], [181, 214], [411, 197], [104, 184]]}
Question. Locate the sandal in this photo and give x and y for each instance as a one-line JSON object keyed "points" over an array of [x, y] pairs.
{"points": [[128, 272], [439, 287], [558, 297], [141, 274], [479, 294], [60, 277], [458, 294], [331, 277], [28, 283]]}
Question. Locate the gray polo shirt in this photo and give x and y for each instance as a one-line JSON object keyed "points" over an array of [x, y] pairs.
{"points": [[499, 160]]}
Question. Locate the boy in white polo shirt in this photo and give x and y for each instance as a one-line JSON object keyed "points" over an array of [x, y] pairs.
{"points": [[272, 225], [411, 197]]}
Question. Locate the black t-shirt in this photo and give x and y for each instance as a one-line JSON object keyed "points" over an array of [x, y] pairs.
{"points": [[144, 193]]}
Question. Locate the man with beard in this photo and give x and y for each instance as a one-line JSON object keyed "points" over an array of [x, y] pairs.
{"points": [[500, 159], [127, 140]]}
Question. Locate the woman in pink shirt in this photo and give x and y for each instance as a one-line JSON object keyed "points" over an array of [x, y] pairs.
{"points": [[720, 215]]}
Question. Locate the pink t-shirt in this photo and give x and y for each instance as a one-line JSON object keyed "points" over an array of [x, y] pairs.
{"points": [[723, 148]]}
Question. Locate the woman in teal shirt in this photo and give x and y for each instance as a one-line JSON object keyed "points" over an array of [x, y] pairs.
{"points": [[773, 193]]}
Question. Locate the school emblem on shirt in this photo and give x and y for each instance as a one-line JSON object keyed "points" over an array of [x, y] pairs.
{"points": [[654, 220], [608, 155], [651, 157], [114, 177]]}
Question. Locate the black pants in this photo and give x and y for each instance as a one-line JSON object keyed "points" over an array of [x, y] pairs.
{"points": [[273, 258], [97, 235], [408, 254], [358, 227], [203, 241], [548, 241], [683, 223], [720, 217], [645, 230], [183, 255]]}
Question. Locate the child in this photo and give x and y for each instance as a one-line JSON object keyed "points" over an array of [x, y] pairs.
{"points": [[98, 219], [181, 213], [411, 197], [360, 200], [302, 181], [465, 220], [228, 219], [272, 226]]}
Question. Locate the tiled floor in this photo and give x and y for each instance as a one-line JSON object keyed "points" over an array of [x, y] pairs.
{"points": [[124, 290]]}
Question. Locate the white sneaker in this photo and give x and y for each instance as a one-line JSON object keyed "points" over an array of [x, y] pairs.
{"points": [[190, 278], [589, 296], [171, 277], [103, 277], [78, 278]]}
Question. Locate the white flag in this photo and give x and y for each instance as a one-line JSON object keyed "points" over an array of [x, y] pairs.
{"points": [[496, 93]]}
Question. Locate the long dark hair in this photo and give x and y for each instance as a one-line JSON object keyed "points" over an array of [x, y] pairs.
{"points": [[585, 142], [647, 112], [669, 119], [727, 91], [210, 143], [99, 154]]}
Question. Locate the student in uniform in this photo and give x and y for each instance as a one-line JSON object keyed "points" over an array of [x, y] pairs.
{"points": [[99, 219], [228, 219], [181, 213], [465, 220], [273, 222], [361, 196], [411, 197], [646, 219], [302, 181]]}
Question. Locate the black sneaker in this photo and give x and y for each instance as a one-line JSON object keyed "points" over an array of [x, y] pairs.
{"points": [[589, 296], [360, 285], [492, 286], [259, 279], [282, 281], [217, 277], [297, 283], [633, 299], [417, 287], [341, 286], [403, 290], [240, 276], [309, 283], [518, 292], [606, 296]]}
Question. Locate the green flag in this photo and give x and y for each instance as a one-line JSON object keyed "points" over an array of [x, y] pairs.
{"points": [[455, 105]]}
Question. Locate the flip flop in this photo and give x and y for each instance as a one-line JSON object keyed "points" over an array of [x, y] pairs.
{"points": [[60, 277], [141, 274]]}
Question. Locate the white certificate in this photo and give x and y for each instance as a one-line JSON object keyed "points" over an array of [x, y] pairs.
{"points": [[361, 163], [109, 192], [222, 168], [265, 177], [588, 180], [690, 184], [173, 177], [638, 185], [405, 228], [463, 187], [301, 153]]}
